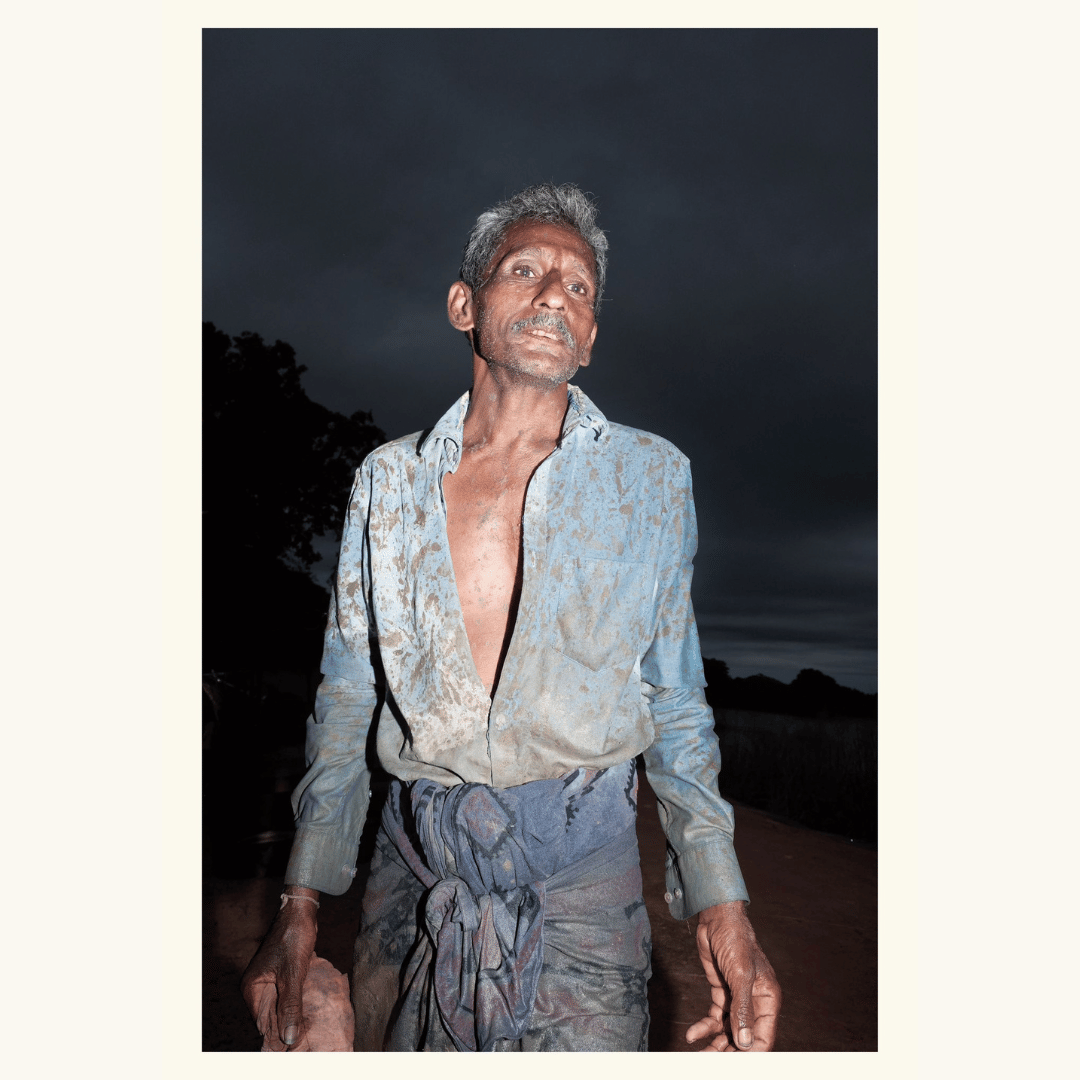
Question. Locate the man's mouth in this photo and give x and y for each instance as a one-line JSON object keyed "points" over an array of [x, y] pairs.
{"points": [[546, 326]]}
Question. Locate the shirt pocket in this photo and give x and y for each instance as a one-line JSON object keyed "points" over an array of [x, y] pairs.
{"points": [[602, 610]]}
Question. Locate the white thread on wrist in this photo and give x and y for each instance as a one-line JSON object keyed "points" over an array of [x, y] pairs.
{"points": [[287, 896]]}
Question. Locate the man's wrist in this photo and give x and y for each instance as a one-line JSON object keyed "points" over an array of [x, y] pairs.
{"points": [[301, 890], [298, 902], [734, 910]]}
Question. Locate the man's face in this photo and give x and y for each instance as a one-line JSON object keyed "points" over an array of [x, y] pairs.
{"points": [[533, 316]]}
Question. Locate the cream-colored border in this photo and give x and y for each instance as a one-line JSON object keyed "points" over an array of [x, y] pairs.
{"points": [[105, 102], [898, 75]]}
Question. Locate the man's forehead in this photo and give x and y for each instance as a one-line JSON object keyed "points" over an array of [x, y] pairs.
{"points": [[540, 237]]}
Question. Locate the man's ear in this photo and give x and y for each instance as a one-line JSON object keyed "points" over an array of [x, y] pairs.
{"points": [[460, 309], [584, 361]]}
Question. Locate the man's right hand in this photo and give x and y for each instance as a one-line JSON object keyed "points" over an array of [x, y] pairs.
{"points": [[274, 981]]}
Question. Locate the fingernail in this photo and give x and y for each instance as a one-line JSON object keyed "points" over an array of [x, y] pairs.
{"points": [[290, 1035], [746, 1037]]}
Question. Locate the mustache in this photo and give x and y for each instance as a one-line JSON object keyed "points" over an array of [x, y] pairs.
{"points": [[546, 321]]}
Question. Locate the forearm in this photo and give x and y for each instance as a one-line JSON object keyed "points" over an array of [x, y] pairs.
{"points": [[331, 801], [682, 767]]}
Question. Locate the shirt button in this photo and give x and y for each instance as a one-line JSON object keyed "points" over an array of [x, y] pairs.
{"points": [[678, 894], [500, 721], [668, 898]]}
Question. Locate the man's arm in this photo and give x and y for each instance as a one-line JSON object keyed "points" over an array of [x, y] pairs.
{"points": [[330, 802], [683, 766], [703, 874], [274, 980]]}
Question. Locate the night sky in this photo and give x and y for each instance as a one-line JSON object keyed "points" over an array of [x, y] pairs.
{"points": [[735, 172]]}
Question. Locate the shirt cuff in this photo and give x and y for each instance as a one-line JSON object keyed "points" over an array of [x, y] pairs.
{"points": [[321, 860], [701, 877]]}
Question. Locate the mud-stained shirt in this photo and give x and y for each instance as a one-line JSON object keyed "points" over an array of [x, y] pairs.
{"points": [[603, 663]]}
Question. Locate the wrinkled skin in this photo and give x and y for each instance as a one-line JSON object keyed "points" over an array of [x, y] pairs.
{"points": [[273, 983], [745, 993], [532, 323]]}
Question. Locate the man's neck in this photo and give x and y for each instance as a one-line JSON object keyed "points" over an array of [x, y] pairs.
{"points": [[509, 410]]}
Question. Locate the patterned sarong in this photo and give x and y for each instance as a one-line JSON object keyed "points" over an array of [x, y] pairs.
{"points": [[506, 919]]}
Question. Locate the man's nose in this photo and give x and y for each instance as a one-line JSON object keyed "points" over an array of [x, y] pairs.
{"points": [[551, 293]]}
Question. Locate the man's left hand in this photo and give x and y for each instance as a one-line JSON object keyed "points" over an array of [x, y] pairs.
{"points": [[745, 993]]}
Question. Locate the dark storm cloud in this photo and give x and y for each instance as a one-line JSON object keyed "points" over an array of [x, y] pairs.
{"points": [[736, 176]]}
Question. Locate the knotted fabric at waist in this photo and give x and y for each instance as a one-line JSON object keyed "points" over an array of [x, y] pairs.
{"points": [[487, 856]]}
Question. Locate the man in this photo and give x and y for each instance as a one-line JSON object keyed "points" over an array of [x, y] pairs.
{"points": [[512, 618]]}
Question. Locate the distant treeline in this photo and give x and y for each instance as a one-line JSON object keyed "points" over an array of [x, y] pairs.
{"points": [[810, 693], [804, 750]]}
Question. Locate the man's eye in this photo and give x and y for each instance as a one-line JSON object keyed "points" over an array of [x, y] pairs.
{"points": [[578, 288], [525, 271]]}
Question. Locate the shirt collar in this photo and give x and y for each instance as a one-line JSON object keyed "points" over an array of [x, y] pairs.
{"points": [[581, 413]]}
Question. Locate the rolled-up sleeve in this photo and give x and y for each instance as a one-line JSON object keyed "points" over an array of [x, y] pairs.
{"points": [[331, 801]]}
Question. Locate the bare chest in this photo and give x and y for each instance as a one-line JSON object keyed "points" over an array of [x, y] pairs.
{"points": [[485, 501], [484, 507]]}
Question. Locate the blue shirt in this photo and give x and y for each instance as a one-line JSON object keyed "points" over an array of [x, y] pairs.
{"points": [[603, 664]]}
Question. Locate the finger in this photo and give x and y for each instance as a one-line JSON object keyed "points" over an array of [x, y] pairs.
{"points": [[720, 1044], [290, 1013], [742, 1013], [259, 991], [252, 987], [766, 1013], [262, 1001], [712, 1028], [705, 1028], [764, 1033], [290, 1022], [266, 1021]]}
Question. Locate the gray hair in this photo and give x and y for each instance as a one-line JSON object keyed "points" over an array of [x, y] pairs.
{"points": [[559, 205]]}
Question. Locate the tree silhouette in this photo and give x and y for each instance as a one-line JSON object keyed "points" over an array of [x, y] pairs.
{"points": [[810, 693], [277, 466], [277, 470], [716, 673]]}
